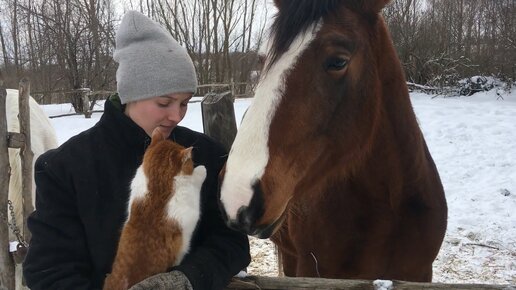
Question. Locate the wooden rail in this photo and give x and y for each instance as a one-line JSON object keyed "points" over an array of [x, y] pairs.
{"points": [[289, 283], [6, 260]]}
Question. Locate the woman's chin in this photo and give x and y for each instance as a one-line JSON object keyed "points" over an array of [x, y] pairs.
{"points": [[166, 131]]}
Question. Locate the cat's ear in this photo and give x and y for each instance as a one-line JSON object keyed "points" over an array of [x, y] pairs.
{"points": [[157, 136], [187, 154]]}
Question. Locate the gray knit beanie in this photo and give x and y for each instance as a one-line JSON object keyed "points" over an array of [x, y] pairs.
{"points": [[150, 62]]}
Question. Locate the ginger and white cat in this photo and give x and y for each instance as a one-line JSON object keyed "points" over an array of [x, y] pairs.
{"points": [[164, 208]]}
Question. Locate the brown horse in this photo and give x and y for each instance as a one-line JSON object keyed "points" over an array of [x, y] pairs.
{"points": [[329, 161]]}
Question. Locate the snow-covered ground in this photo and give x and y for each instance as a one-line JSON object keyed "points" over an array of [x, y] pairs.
{"points": [[473, 142]]}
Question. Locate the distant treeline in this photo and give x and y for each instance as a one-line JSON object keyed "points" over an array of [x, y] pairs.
{"points": [[441, 41], [67, 45]]}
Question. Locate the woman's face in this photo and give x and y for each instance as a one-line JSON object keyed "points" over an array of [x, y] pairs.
{"points": [[163, 112]]}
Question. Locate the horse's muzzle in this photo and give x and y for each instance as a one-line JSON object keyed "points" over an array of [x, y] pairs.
{"points": [[244, 223], [248, 216]]}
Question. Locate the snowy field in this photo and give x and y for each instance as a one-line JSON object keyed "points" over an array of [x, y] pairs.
{"points": [[473, 142]]}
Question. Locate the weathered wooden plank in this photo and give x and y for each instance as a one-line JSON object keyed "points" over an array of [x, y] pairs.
{"points": [[218, 118], [6, 261], [289, 283], [15, 140], [26, 155], [274, 283]]}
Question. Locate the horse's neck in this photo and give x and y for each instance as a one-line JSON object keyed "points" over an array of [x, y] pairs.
{"points": [[399, 157], [399, 161]]}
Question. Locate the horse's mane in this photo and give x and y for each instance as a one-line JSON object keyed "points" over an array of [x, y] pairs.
{"points": [[293, 18]]}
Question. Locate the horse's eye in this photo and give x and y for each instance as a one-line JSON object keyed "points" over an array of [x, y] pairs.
{"points": [[336, 63]]}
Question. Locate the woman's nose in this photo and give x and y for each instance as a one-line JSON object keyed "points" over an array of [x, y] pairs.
{"points": [[175, 114]]}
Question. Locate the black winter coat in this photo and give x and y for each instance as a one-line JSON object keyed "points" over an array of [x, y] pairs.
{"points": [[82, 190]]}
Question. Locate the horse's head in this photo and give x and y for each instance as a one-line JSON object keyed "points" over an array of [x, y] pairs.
{"points": [[315, 109]]}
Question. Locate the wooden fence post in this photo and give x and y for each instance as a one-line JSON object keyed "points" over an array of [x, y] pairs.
{"points": [[26, 155], [6, 260], [218, 118], [86, 92]]}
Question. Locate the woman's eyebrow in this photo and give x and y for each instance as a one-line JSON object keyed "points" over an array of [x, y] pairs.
{"points": [[165, 96], [175, 98]]}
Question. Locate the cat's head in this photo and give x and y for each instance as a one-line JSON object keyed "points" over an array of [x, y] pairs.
{"points": [[165, 159]]}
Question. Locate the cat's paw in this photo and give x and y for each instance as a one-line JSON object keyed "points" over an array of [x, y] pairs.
{"points": [[199, 174]]}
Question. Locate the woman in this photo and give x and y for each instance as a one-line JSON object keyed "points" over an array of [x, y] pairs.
{"points": [[82, 187]]}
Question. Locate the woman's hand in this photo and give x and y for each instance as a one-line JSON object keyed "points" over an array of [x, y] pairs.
{"points": [[172, 280]]}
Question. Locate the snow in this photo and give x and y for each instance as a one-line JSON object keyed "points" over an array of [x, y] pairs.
{"points": [[382, 285], [473, 143]]}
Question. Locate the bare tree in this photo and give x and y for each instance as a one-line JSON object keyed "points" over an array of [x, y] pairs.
{"points": [[218, 34], [442, 41], [62, 45], [67, 45]]}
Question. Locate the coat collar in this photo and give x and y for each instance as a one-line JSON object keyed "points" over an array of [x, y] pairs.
{"points": [[122, 128]]}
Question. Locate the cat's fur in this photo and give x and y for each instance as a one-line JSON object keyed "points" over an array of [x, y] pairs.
{"points": [[164, 208]]}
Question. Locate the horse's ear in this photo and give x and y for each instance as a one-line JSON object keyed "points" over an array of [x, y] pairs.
{"points": [[277, 3], [157, 136]]}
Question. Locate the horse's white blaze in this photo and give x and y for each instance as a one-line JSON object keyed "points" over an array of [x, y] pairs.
{"points": [[185, 207], [249, 154]]}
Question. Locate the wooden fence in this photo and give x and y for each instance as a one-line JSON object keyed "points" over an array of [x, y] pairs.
{"points": [[238, 90], [22, 141], [287, 283]]}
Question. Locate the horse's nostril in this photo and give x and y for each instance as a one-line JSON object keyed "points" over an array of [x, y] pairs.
{"points": [[244, 219], [247, 216], [246, 223]]}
